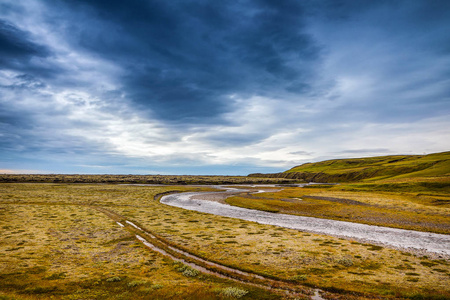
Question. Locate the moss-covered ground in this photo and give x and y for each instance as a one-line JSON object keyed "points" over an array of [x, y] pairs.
{"points": [[53, 244]]}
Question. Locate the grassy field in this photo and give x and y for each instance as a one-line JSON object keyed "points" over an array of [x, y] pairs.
{"points": [[56, 244], [139, 179], [369, 168], [404, 165]]}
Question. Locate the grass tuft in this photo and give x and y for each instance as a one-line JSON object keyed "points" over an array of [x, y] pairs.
{"points": [[233, 292], [114, 279]]}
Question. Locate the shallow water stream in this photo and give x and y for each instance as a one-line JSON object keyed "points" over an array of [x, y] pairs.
{"points": [[397, 238]]}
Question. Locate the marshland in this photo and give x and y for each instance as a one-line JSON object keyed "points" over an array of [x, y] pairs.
{"points": [[74, 241]]}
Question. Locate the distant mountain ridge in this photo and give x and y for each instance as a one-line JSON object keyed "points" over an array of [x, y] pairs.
{"points": [[373, 168]]}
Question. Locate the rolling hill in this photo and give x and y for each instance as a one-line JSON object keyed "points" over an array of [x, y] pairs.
{"points": [[369, 168]]}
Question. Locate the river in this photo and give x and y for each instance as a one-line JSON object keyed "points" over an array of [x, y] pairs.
{"points": [[396, 238]]}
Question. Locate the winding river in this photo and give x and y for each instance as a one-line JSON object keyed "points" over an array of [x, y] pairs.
{"points": [[397, 238]]}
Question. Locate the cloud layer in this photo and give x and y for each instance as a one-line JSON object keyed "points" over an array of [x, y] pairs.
{"points": [[202, 87]]}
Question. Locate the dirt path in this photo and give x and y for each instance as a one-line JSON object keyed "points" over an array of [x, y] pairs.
{"points": [[415, 241]]}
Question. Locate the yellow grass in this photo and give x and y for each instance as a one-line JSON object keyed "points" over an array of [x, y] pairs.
{"points": [[401, 210], [71, 250], [54, 246]]}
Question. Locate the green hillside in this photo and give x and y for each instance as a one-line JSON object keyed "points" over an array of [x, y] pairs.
{"points": [[371, 168]]}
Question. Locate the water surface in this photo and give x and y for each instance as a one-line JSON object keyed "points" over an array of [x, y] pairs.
{"points": [[399, 238]]}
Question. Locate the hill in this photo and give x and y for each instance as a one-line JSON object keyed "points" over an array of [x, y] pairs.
{"points": [[369, 168]]}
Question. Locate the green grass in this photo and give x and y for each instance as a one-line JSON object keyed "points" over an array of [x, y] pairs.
{"points": [[435, 164], [375, 168]]}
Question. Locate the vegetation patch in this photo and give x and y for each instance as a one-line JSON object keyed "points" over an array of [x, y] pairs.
{"points": [[370, 168], [114, 279], [74, 255], [233, 292]]}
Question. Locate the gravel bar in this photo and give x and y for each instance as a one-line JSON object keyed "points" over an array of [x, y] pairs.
{"points": [[415, 241]]}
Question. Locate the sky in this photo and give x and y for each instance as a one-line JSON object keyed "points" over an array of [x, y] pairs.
{"points": [[219, 87]]}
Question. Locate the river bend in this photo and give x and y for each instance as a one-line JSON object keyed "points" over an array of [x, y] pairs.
{"points": [[397, 238]]}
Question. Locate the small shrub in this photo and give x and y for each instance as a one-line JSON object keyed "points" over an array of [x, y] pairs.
{"points": [[186, 270], [190, 272], [233, 292], [181, 268], [114, 279]]}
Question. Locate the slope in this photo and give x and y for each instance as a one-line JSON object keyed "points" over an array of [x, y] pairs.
{"points": [[370, 168]]}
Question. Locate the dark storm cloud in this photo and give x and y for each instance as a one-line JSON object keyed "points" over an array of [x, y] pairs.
{"points": [[19, 52], [183, 59], [245, 83], [16, 46]]}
